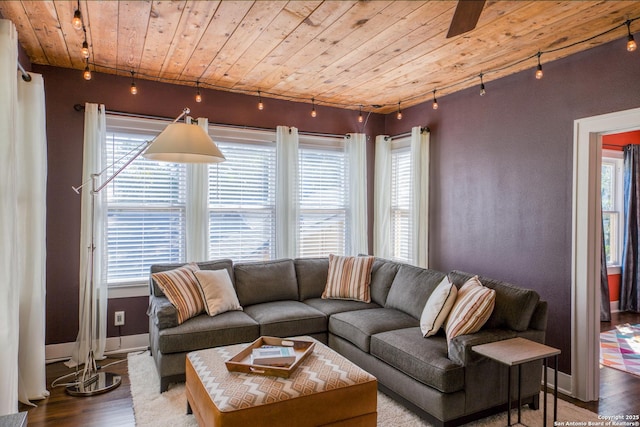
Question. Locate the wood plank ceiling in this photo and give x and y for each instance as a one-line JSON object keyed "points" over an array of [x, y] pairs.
{"points": [[345, 53]]}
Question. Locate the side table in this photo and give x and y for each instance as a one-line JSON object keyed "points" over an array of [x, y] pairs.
{"points": [[515, 352]]}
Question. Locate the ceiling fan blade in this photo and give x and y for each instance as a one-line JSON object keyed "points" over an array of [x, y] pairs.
{"points": [[465, 17]]}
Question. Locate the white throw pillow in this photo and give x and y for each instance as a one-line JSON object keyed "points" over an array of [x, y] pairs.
{"points": [[218, 293], [437, 308]]}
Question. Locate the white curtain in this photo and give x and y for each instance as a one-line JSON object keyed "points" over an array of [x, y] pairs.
{"points": [[420, 196], [93, 302], [286, 191], [356, 144], [382, 198], [197, 208], [23, 174]]}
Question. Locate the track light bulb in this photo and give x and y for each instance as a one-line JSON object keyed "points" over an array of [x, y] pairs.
{"points": [[539, 72], [313, 107], [198, 97], [260, 104], [87, 73], [77, 20], [435, 101], [360, 118], [133, 89], [483, 92], [399, 114], [85, 50], [631, 44]]}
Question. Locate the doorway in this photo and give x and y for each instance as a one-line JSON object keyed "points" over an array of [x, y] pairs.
{"points": [[586, 246]]}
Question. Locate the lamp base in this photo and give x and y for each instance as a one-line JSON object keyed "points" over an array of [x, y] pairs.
{"points": [[98, 383]]}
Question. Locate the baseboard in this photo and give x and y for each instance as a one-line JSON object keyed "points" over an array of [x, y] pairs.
{"points": [[114, 345], [564, 381], [615, 306]]}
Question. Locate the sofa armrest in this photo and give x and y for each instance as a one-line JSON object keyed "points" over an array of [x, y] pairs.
{"points": [[460, 347], [163, 314]]}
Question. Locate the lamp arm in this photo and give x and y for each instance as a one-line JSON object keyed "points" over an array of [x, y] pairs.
{"points": [[145, 145]]}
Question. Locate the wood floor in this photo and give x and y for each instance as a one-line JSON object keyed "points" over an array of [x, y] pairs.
{"points": [[618, 395]]}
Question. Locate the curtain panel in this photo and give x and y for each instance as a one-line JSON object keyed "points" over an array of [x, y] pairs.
{"points": [[629, 289], [197, 207], [382, 198], [92, 310], [356, 145], [420, 195], [287, 182], [23, 175]]}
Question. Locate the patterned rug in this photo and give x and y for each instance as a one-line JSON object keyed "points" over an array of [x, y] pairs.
{"points": [[620, 348]]}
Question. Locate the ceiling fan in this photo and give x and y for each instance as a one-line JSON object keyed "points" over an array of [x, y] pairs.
{"points": [[466, 16]]}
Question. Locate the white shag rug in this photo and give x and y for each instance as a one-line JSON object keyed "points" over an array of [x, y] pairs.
{"points": [[169, 408]]}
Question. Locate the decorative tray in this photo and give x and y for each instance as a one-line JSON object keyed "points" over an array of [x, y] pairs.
{"points": [[241, 362]]}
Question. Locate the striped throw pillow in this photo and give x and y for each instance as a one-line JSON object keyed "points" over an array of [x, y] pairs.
{"points": [[182, 289], [349, 278], [474, 304]]}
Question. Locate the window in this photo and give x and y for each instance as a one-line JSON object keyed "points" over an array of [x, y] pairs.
{"points": [[323, 193], [612, 205], [145, 206], [147, 202], [401, 201], [242, 202]]}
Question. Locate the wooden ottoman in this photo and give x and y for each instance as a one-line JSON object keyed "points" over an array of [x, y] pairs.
{"points": [[326, 389]]}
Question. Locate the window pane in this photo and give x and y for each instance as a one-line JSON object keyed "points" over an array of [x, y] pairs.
{"points": [[609, 228], [323, 199], [401, 205], [138, 238], [242, 203], [608, 186], [145, 210]]}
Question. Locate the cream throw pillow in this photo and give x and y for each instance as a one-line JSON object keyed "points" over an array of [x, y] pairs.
{"points": [[474, 304], [182, 290], [437, 308], [218, 293], [349, 278]]}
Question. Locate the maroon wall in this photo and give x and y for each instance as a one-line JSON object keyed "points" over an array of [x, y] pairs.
{"points": [[501, 172], [65, 88]]}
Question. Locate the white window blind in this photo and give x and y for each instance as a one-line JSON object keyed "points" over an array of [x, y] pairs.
{"points": [[242, 203], [323, 200], [401, 204], [145, 211]]}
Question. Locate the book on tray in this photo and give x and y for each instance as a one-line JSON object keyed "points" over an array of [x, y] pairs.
{"points": [[273, 356]]}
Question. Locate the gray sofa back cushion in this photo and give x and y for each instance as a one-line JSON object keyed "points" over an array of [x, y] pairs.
{"points": [[514, 305], [312, 276], [218, 264], [411, 289], [258, 282], [382, 274]]}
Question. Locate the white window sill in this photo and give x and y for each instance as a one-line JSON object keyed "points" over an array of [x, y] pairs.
{"points": [[129, 290], [614, 269]]}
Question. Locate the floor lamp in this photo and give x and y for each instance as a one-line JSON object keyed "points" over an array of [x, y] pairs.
{"points": [[177, 143]]}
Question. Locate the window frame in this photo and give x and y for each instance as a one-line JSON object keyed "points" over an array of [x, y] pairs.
{"points": [[616, 158]]}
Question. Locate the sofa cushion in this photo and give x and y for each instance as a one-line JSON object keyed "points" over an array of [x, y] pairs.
{"points": [[358, 326], [473, 306], [349, 278], [218, 294], [182, 289], [333, 306], [205, 331], [207, 265], [287, 318], [382, 274], [258, 282], [411, 289], [437, 308], [312, 276], [514, 305], [422, 359]]}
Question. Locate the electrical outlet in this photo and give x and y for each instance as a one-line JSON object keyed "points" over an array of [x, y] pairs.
{"points": [[119, 318]]}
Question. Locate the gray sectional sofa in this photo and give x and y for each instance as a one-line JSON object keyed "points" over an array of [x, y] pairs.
{"points": [[446, 383]]}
